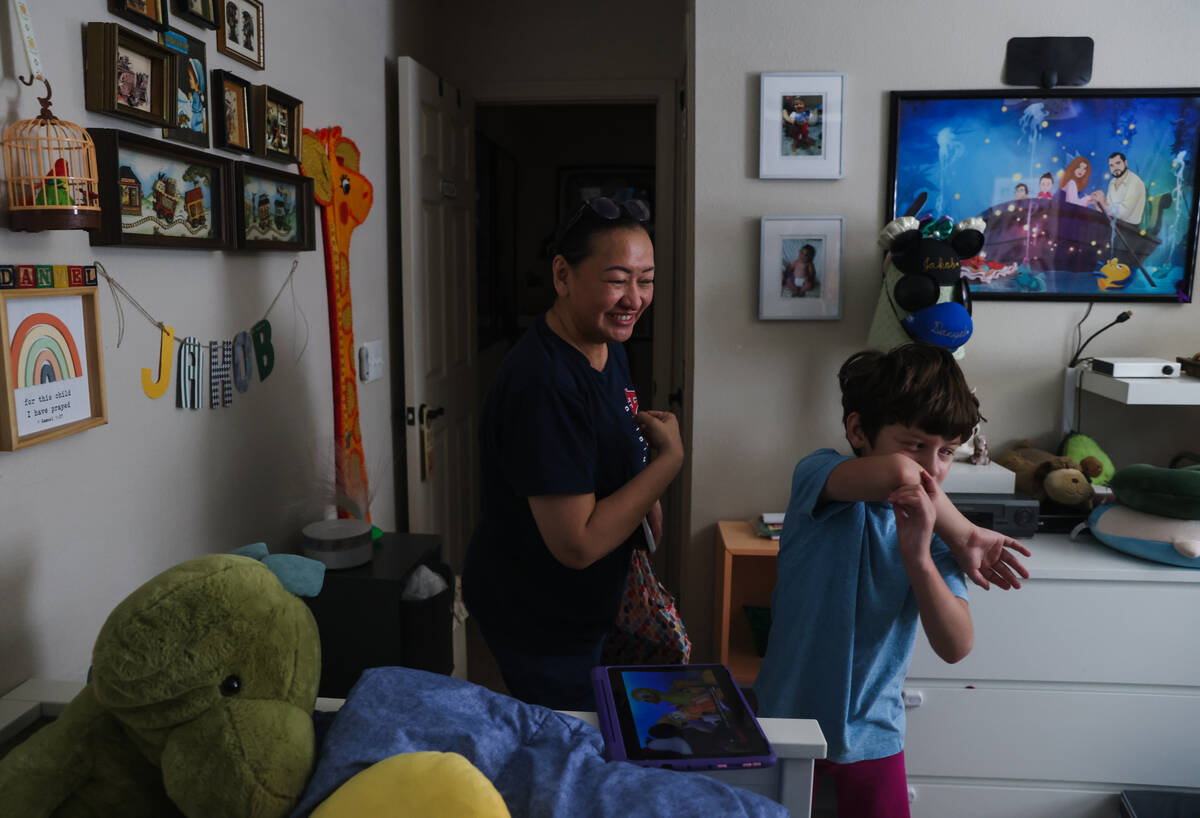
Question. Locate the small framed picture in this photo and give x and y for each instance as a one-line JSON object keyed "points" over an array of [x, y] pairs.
{"points": [[197, 12], [800, 127], [240, 31], [51, 364], [273, 210], [128, 75], [190, 122], [801, 268], [151, 14], [233, 127], [159, 194], [278, 120]]}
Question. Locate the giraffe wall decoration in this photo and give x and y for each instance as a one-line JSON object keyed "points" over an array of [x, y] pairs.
{"points": [[345, 198]]}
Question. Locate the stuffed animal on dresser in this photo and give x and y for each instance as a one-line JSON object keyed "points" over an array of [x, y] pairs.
{"points": [[1046, 476], [200, 701]]}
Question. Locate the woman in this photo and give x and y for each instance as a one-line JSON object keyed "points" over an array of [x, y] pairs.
{"points": [[567, 479], [1074, 182]]}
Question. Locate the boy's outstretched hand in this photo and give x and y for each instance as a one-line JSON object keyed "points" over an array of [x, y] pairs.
{"points": [[987, 558]]}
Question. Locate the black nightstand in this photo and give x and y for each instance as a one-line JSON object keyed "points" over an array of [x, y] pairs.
{"points": [[364, 623]]}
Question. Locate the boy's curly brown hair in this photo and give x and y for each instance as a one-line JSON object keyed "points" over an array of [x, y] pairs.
{"points": [[917, 385]]}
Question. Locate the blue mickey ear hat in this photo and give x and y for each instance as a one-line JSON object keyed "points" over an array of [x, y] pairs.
{"points": [[924, 297]]}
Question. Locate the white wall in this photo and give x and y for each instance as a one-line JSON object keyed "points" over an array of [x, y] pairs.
{"points": [[85, 519], [765, 393]]}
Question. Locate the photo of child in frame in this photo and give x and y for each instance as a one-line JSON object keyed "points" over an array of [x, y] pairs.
{"points": [[801, 259], [801, 125]]}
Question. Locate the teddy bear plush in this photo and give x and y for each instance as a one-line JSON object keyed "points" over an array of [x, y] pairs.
{"points": [[199, 703], [1046, 476]]}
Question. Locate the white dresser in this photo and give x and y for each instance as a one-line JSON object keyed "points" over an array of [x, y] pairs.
{"points": [[1083, 683]]}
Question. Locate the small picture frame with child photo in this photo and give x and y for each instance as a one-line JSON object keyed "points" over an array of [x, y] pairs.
{"points": [[800, 276], [800, 131]]}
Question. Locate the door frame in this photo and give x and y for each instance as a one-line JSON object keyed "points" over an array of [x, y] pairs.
{"points": [[669, 348]]}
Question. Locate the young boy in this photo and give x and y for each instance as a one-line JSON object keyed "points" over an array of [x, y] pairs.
{"points": [[859, 564]]}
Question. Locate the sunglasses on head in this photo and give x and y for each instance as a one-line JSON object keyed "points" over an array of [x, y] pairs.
{"points": [[609, 209]]}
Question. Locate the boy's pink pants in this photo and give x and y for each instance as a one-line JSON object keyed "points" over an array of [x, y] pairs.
{"points": [[876, 788]]}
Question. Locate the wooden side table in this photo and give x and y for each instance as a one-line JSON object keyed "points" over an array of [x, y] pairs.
{"points": [[745, 575]]}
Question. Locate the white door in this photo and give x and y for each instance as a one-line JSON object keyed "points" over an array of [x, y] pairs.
{"points": [[437, 191]]}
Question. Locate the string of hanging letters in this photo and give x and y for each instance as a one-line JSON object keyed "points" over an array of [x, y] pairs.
{"points": [[230, 364]]}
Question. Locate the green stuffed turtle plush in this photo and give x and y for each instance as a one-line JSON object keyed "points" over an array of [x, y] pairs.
{"points": [[200, 701]]}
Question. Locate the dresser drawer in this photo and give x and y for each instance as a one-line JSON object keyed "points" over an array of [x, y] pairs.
{"points": [[989, 801], [1054, 735], [1075, 631]]}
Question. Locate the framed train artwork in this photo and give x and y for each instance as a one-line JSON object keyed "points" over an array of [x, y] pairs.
{"points": [[159, 194]]}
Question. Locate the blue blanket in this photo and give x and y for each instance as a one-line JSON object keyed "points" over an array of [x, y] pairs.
{"points": [[542, 762]]}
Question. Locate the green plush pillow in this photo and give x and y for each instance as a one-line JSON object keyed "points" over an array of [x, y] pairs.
{"points": [[1158, 490], [1078, 446]]}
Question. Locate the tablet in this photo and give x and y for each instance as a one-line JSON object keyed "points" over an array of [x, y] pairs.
{"points": [[685, 717]]}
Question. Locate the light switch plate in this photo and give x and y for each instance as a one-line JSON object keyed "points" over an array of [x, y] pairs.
{"points": [[370, 361]]}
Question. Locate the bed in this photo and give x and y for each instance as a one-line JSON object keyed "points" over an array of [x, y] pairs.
{"points": [[518, 747]]}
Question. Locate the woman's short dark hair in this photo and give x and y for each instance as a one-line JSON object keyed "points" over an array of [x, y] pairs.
{"points": [[917, 385], [573, 239]]}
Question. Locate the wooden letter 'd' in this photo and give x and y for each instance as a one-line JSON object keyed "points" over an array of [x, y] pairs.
{"points": [[345, 197]]}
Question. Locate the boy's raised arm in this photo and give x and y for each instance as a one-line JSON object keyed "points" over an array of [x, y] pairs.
{"points": [[987, 557], [870, 479]]}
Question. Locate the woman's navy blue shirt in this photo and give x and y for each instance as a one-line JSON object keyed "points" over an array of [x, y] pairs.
{"points": [[551, 424]]}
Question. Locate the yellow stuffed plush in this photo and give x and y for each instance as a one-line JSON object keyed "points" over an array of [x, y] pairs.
{"points": [[416, 785]]}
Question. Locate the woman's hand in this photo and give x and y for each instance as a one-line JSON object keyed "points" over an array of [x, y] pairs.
{"points": [[662, 432]]}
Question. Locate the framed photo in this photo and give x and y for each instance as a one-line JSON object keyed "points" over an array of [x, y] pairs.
{"points": [[801, 268], [800, 126], [51, 364], [190, 121], [128, 75], [197, 12], [1087, 194], [158, 194], [273, 209], [151, 14], [233, 113], [240, 31], [278, 123]]}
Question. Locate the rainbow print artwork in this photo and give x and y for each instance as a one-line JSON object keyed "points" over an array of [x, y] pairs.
{"points": [[44, 351], [47, 356]]}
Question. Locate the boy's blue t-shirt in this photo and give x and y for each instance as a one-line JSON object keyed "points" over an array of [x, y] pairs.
{"points": [[843, 619]]}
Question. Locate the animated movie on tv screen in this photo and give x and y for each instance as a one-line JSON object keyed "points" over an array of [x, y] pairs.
{"points": [[1084, 197]]}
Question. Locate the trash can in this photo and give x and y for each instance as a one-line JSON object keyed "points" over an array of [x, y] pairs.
{"points": [[426, 624], [1159, 804]]}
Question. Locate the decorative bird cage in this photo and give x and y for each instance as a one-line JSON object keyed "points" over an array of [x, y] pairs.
{"points": [[51, 168]]}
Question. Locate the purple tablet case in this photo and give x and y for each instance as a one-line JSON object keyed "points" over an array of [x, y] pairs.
{"points": [[683, 717]]}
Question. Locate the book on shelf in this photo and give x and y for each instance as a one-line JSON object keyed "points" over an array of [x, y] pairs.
{"points": [[769, 530]]}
